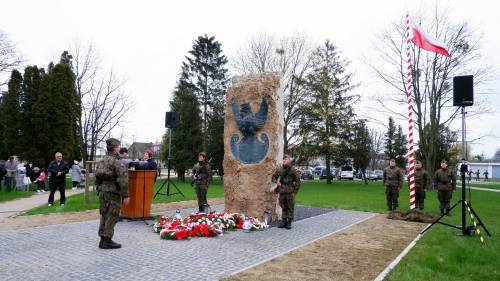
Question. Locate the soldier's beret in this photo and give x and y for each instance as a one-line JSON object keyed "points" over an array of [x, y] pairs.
{"points": [[113, 142]]}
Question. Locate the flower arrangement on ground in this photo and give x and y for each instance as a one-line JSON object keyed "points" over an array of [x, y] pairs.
{"points": [[202, 225]]}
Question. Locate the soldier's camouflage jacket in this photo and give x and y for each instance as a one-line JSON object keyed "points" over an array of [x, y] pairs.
{"points": [[111, 175], [444, 179], [289, 178], [393, 177]]}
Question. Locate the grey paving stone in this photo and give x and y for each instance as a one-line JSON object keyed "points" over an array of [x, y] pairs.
{"points": [[70, 252]]}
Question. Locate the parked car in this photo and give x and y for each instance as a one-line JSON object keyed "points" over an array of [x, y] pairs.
{"points": [[346, 172], [307, 175], [318, 169], [322, 175], [379, 174]]}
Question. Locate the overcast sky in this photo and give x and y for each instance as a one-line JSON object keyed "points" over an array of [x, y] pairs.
{"points": [[146, 41]]}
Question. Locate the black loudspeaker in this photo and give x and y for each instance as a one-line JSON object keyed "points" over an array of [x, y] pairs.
{"points": [[463, 90], [171, 119]]}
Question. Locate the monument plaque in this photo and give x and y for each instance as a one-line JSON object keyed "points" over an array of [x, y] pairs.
{"points": [[253, 143]]}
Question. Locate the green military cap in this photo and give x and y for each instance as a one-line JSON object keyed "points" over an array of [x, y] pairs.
{"points": [[113, 142]]}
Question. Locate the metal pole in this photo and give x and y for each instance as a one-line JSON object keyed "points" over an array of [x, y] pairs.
{"points": [[411, 152], [169, 157], [463, 168]]}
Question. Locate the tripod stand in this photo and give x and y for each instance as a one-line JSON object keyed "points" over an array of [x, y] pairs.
{"points": [[465, 204], [168, 182]]}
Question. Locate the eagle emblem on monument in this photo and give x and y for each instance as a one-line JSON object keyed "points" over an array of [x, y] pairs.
{"points": [[251, 147]]}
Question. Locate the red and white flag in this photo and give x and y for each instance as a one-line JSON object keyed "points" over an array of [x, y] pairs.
{"points": [[426, 41]]}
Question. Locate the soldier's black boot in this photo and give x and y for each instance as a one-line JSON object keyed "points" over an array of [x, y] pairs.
{"points": [[288, 224], [101, 242], [110, 244], [283, 223], [448, 212], [442, 211]]}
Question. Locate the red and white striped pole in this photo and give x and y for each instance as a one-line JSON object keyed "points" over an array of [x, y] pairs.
{"points": [[411, 151]]}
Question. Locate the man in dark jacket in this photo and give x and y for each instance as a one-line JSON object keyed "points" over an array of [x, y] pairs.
{"points": [[58, 170], [3, 172]]}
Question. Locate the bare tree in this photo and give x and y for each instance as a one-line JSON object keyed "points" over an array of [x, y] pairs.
{"points": [[377, 140], [290, 55], [432, 75], [104, 103], [9, 59]]}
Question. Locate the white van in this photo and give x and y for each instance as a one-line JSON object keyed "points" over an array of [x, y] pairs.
{"points": [[346, 172]]}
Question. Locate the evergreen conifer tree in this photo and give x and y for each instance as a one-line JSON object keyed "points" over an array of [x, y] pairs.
{"points": [[328, 116], [186, 138], [11, 113], [206, 73]]}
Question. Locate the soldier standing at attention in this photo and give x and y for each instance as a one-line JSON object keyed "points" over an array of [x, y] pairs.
{"points": [[445, 181], [288, 183], [202, 175], [421, 181], [393, 181], [112, 186], [477, 175]]}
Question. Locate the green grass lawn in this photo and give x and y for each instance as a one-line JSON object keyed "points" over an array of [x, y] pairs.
{"points": [[7, 196], [75, 202], [442, 254]]}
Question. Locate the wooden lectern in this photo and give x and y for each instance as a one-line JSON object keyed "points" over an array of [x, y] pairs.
{"points": [[140, 193]]}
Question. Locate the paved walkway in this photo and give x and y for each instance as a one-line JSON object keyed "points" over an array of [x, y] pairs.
{"points": [[70, 252], [485, 189], [13, 207]]}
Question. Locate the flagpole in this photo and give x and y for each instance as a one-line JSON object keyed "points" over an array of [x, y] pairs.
{"points": [[411, 152]]}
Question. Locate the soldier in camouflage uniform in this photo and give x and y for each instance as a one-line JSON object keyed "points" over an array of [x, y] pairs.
{"points": [[288, 183], [112, 186], [421, 182], [445, 181], [202, 175], [393, 181]]}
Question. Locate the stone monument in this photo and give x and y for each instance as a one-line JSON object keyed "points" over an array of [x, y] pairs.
{"points": [[253, 143]]}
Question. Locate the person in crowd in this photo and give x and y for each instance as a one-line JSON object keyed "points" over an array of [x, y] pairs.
{"points": [[477, 175], [76, 175], [10, 177], [202, 175], [287, 181], [29, 170], [3, 172], [445, 181], [112, 186], [485, 175], [124, 158], [57, 180], [148, 163], [393, 181], [40, 180]]}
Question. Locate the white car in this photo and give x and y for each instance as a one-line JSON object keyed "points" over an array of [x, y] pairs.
{"points": [[346, 172]]}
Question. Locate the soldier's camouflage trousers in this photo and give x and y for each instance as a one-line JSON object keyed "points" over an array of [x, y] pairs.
{"points": [[392, 194], [109, 208], [201, 194], [444, 197], [287, 204], [419, 199]]}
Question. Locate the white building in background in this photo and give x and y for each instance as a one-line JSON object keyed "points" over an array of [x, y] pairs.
{"points": [[492, 168]]}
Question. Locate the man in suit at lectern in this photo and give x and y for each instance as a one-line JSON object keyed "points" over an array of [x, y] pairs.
{"points": [[112, 186]]}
